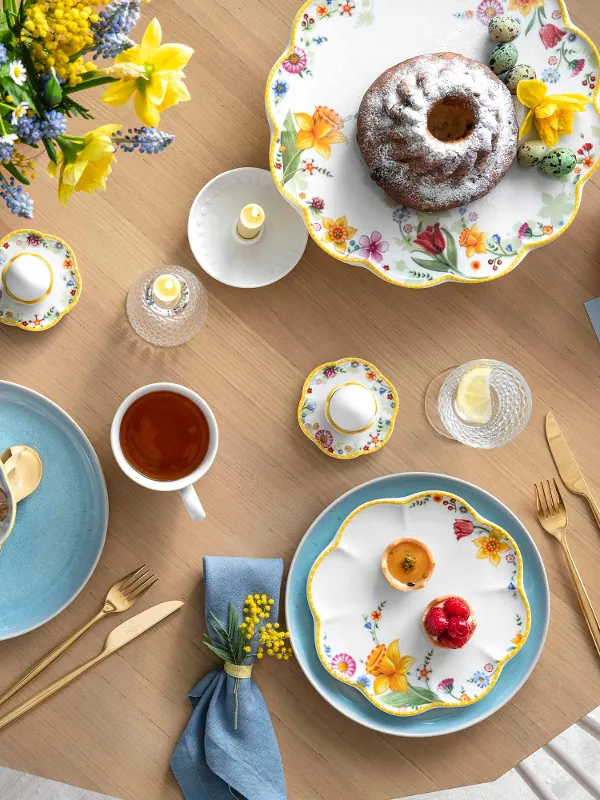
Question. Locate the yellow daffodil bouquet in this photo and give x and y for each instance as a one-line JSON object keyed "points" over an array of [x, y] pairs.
{"points": [[237, 642], [49, 54]]}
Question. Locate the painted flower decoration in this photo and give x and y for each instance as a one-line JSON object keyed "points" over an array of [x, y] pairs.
{"points": [[296, 61], [551, 35], [324, 438], [517, 639], [423, 673], [447, 685], [491, 547], [463, 527], [431, 240], [473, 241], [525, 6], [344, 664], [363, 682], [372, 247], [552, 115], [320, 131], [487, 10], [152, 73], [376, 615], [481, 680], [280, 88], [347, 8], [338, 232], [389, 668], [577, 66]]}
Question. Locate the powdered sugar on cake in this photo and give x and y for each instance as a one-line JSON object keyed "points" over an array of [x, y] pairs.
{"points": [[407, 161]]}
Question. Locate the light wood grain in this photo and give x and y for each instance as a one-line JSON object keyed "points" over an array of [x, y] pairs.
{"points": [[115, 730]]}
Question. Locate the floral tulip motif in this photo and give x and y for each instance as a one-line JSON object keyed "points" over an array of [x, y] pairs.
{"points": [[551, 35], [431, 240], [463, 527]]}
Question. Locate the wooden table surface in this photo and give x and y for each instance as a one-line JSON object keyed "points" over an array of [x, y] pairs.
{"points": [[114, 730]]}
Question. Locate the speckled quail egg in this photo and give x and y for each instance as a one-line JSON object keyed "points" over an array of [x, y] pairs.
{"points": [[522, 72], [530, 154], [504, 57], [504, 28], [559, 162]]}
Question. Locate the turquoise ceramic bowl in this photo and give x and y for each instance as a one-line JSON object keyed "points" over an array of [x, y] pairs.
{"points": [[345, 698], [60, 529]]}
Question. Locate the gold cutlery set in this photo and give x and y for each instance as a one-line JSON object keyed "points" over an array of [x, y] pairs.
{"points": [[552, 513], [121, 597]]}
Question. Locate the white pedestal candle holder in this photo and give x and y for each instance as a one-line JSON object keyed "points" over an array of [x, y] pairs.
{"points": [[222, 252]]}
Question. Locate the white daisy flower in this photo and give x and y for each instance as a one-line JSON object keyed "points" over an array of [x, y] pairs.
{"points": [[19, 112], [11, 138], [17, 72]]}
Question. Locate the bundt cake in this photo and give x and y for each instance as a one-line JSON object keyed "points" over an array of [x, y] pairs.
{"points": [[437, 131]]}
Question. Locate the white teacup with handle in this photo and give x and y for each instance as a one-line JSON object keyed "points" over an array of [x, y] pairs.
{"points": [[183, 485]]}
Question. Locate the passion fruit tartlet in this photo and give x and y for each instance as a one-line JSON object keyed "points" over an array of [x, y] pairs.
{"points": [[449, 622], [407, 564]]}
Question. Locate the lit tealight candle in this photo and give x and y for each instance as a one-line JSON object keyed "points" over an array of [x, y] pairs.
{"points": [[251, 221], [166, 291]]}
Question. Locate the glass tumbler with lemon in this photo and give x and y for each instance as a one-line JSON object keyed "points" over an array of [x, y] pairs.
{"points": [[481, 404]]}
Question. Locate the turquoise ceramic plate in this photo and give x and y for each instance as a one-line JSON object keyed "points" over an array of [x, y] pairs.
{"points": [[60, 529], [345, 698]]}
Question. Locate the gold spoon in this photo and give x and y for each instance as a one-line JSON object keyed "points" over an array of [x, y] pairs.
{"points": [[23, 468]]}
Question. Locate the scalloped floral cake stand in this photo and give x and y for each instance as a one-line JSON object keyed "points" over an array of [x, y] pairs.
{"points": [[325, 177], [360, 620]]}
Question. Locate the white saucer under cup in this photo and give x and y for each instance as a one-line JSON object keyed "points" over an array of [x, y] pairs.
{"points": [[222, 253]]}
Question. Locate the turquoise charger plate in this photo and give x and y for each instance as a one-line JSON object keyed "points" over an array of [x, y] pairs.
{"points": [[60, 529], [348, 700]]}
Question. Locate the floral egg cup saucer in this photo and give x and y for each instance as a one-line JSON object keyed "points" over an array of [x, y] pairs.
{"points": [[312, 97], [8, 507], [39, 280], [359, 616], [313, 409]]}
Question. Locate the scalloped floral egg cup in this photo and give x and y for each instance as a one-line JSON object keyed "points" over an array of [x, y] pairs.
{"points": [[371, 637], [314, 407], [49, 277], [312, 99]]}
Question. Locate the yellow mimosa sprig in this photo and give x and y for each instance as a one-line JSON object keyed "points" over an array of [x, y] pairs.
{"points": [[255, 637]]}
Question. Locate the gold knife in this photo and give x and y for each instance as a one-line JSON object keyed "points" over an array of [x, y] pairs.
{"points": [[567, 466], [116, 639]]}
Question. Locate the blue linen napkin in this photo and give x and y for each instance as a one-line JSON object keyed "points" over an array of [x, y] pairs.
{"points": [[212, 760]]}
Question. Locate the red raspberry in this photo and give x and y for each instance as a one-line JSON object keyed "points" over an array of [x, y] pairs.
{"points": [[456, 607], [453, 644], [436, 622], [458, 628]]}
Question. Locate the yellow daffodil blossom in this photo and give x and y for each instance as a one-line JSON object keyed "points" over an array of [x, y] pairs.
{"points": [[389, 668], [152, 73], [552, 114], [491, 547], [84, 162]]}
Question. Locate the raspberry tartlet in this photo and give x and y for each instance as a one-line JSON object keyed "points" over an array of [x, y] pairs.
{"points": [[449, 622], [407, 564]]}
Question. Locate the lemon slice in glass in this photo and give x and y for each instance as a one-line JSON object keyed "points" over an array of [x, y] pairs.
{"points": [[474, 397]]}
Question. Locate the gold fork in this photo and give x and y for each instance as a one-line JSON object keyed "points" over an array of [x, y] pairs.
{"points": [[120, 597], [552, 515]]}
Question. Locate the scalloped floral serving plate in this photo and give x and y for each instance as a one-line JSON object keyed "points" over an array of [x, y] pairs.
{"points": [[312, 408], [358, 615], [64, 287], [322, 171]]}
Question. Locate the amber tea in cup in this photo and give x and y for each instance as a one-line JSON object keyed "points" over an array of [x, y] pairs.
{"points": [[164, 435]]}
